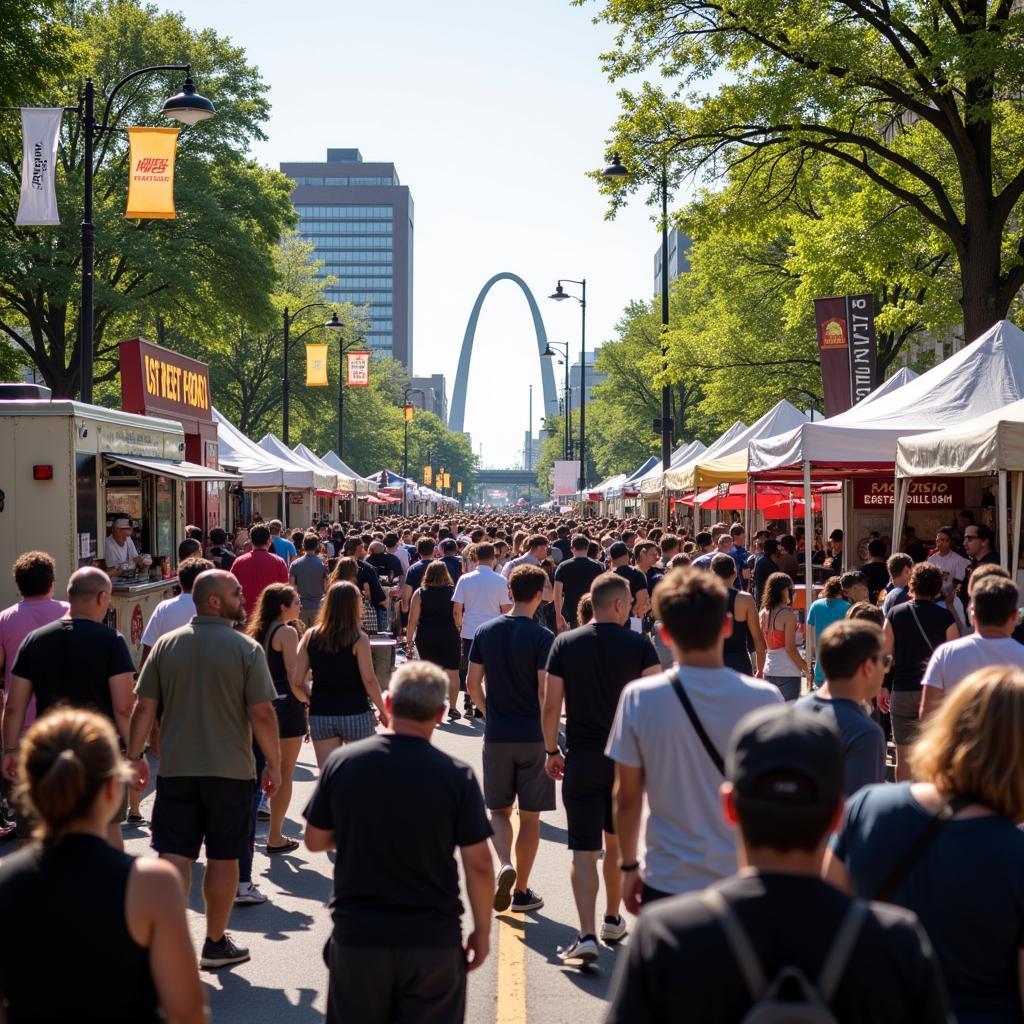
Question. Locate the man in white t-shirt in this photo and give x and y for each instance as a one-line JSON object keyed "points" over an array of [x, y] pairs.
{"points": [[995, 615], [175, 612], [480, 595], [952, 565], [658, 750], [119, 549]]}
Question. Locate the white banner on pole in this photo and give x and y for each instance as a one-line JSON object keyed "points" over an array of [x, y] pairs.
{"points": [[564, 477], [40, 128]]}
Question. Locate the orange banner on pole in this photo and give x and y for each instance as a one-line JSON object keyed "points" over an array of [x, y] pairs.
{"points": [[316, 366], [151, 173]]}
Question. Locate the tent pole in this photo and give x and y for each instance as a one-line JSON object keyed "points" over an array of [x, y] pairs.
{"points": [[1018, 496], [899, 510], [808, 543], [1004, 556]]}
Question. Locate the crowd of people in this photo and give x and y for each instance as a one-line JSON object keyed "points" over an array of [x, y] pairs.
{"points": [[632, 666]]}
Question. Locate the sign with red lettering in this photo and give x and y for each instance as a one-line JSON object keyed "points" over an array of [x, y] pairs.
{"points": [[158, 382], [942, 492]]}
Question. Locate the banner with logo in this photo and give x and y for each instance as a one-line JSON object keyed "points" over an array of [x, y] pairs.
{"points": [[40, 130], [847, 347], [358, 369], [316, 366], [151, 173], [428, 476]]}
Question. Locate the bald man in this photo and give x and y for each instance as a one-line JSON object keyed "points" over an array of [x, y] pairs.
{"points": [[216, 693], [78, 661]]}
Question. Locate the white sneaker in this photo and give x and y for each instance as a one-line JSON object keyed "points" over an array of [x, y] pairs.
{"points": [[613, 929], [583, 950], [248, 893], [263, 811]]}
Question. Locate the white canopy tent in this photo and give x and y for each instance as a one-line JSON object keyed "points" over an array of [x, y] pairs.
{"points": [[260, 469], [363, 486], [346, 484], [682, 454], [325, 481], [718, 447], [991, 444]]}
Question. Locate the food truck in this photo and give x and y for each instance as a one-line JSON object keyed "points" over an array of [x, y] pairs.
{"points": [[68, 470]]}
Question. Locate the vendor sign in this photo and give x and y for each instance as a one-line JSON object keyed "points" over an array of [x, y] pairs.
{"points": [[846, 345], [156, 381], [151, 174], [942, 492]]}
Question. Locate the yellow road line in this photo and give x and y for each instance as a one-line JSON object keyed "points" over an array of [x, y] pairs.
{"points": [[511, 1008]]}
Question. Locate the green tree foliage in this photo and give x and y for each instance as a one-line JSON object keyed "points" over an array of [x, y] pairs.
{"points": [[918, 100], [36, 47], [213, 263]]}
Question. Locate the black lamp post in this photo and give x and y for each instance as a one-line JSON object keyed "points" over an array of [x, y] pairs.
{"points": [[616, 171], [549, 353], [189, 108], [342, 349], [289, 318], [407, 414], [559, 295]]}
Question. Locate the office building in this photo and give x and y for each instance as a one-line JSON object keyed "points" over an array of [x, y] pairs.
{"points": [[359, 218], [435, 395], [678, 261], [593, 379]]}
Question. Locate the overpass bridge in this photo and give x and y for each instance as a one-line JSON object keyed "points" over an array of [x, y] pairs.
{"points": [[518, 482]]}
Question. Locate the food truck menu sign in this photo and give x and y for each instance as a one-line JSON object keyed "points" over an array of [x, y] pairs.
{"points": [[158, 382], [938, 493]]}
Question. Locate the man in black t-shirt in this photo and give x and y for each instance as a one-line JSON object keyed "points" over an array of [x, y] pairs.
{"points": [[220, 554], [640, 596], [590, 666], [913, 630], [875, 570], [77, 661], [572, 580], [396, 949], [783, 791], [562, 545]]}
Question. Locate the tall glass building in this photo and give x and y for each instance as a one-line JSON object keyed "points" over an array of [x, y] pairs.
{"points": [[359, 218]]}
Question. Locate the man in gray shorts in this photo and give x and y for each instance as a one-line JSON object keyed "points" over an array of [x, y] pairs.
{"points": [[512, 652], [309, 574]]}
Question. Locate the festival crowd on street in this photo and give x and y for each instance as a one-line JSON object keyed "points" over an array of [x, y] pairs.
{"points": [[780, 816]]}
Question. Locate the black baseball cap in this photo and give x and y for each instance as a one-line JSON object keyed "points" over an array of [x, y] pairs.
{"points": [[786, 757], [618, 550]]}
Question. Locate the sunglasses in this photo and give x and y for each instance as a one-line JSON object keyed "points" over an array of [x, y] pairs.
{"points": [[885, 659]]}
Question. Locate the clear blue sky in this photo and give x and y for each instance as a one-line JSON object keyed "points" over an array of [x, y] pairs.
{"points": [[491, 112]]}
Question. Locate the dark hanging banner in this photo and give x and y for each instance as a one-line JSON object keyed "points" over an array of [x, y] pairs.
{"points": [[846, 346], [834, 350]]}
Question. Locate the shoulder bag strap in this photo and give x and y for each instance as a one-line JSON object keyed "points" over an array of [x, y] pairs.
{"points": [[746, 956], [842, 949], [698, 726], [924, 838], [913, 611]]}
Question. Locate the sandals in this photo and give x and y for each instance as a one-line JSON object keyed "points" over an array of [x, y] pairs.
{"points": [[286, 847]]}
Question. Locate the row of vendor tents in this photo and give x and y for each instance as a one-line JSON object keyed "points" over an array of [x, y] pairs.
{"points": [[964, 417], [270, 465]]}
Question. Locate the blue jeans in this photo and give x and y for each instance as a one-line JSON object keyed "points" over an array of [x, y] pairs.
{"points": [[245, 863], [789, 686]]}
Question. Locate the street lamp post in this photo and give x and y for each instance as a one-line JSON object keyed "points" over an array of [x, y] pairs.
{"points": [[407, 414], [549, 353], [289, 318], [559, 295], [342, 349], [189, 108], [616, 171]]}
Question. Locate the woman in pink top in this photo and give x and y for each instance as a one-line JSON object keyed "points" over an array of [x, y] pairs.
{"points": [[783, 664]]}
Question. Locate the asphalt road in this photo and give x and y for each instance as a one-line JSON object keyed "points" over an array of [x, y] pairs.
{"points": [[285, 982]]}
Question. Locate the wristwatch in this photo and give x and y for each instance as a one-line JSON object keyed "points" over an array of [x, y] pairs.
{"points": [[635, 866], [553, 753]]}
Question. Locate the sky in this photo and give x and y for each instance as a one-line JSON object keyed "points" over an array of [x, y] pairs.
{"points": [[492, 113]]}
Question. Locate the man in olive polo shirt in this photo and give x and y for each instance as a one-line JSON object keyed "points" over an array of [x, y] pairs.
{"points": [[214, 690]]}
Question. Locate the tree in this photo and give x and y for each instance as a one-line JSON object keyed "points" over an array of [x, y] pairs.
{"points": [[36, 45], [230, 210], [919, 99]]}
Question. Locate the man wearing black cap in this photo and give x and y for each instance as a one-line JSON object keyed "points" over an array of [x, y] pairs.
{"points": [[783, 792]]}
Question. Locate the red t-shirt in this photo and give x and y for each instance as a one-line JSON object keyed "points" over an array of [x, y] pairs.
{"points": [[256, 570]]}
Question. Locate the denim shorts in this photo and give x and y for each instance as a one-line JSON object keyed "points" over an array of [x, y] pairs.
{"points": [[347, 728]]}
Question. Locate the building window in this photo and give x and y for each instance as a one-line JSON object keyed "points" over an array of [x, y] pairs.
{"points": [[321, 212]]}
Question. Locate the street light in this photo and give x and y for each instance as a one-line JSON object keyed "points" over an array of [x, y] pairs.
{"points": [[617, 171], [407, 410], [559, 295], [548, 353], [188, 107], [342, 349], [289, 318]]}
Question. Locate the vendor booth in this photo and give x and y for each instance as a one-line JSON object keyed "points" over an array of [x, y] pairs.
{"points": [[313, 503], [859, 446], [345, 485], [69, 472], [364, 503]]}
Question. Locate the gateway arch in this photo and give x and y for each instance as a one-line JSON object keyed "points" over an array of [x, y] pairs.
{"points": [[457, 414]]}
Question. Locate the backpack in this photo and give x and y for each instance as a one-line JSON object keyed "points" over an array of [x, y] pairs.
{"points": [[790, 998]]}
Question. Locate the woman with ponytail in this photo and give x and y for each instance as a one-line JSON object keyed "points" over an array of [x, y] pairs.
{"points": [[123, 918]]}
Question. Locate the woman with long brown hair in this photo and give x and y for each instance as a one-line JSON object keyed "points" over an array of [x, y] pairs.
{"points": [[272, 627], [948, 846], [432, 628], [337, 651], [783, 665], [120, 919]]}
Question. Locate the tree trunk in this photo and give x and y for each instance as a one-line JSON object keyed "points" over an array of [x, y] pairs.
{"points": [[982, 299]]}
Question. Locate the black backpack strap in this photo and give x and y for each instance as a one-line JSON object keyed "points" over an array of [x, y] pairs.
{"points": [[841, 950], [742, 949], [899, 873], [698, 726]]}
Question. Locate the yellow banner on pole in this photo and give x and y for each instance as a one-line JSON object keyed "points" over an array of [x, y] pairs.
{"points": [[428, 476], [151, 173], [316, 366]]}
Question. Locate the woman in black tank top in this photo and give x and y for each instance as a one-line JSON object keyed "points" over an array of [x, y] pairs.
{"points": [[746, 633], [111, 912], [272, 627], [432, 628]]}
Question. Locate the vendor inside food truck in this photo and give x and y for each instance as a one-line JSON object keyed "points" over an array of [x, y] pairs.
{"points": [[120, 554]]}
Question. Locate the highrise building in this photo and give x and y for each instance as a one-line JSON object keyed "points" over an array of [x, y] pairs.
{"points": [[435, 394], [678, 262], [359, 218]]}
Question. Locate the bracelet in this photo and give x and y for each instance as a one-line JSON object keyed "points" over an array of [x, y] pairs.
{"points": [[133, 759], [553, 753], [635, 866]]}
